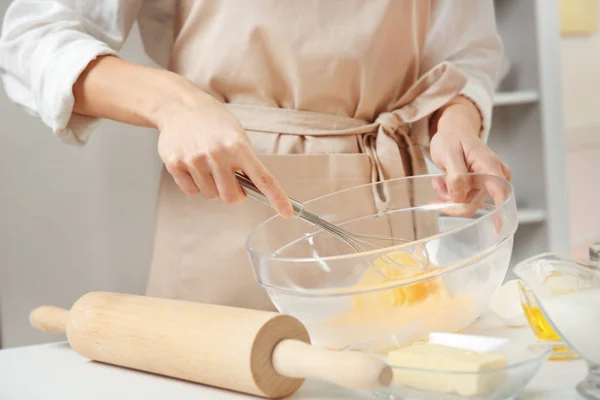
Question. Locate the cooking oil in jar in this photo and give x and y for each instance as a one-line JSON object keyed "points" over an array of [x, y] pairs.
{"points": [[543, 330]]}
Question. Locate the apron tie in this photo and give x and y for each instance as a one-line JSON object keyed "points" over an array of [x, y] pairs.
{"points": [[387, 149], [396, 147], [392, 141]]}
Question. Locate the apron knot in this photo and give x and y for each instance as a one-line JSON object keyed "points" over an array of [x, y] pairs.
{"points": [[393, 147], [387, 147], [389, 121]]}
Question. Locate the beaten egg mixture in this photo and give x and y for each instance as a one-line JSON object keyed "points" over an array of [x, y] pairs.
{"points": [[384, 307], [395, 267], [426, 299]]}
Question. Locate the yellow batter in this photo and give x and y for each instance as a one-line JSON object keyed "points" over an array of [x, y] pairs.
{"points": [[413, 309], [391, 266]]}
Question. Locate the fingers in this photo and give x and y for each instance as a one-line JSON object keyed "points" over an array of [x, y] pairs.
{"points": [[470, 192], [439, 185], [448, 206], [267, 184], [204, 181], [506, 171], [223, 173], [457, 179], [458, 186], [185, 182], [203, 150], [212, 173], [490, 164], [181, 177], [452, 160], [459, 156]]}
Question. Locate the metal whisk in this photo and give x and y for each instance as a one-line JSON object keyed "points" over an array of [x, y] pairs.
{"points": [[359, 242]]}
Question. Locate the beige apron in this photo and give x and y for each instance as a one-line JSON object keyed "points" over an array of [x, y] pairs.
{"points": [[331, 96]]}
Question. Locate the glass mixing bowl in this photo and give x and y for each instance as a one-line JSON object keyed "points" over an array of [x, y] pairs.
{"points": [[440, 277]]}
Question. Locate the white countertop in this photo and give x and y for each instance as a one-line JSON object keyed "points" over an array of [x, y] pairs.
{"points": [[54, 371]]}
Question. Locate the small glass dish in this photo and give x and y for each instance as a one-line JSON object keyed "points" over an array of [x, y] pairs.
{"points": [[524, 361]]}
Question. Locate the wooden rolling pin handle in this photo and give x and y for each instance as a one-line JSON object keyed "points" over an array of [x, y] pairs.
{"points": [[296, 359], [49, 319]]}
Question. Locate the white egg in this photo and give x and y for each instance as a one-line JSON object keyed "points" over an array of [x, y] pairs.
{"points": [[506, 304]]}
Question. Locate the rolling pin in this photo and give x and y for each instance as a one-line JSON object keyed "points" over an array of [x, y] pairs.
{"points": [[256, 352]]}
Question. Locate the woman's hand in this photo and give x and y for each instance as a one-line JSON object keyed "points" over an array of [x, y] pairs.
{"points": [[203, 144], [457, 149]]}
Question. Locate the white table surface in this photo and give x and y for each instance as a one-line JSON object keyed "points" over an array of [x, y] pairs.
{"points": [[54, 371]]}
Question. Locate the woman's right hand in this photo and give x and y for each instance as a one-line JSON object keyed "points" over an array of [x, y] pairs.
{"points": [[203, 144]]}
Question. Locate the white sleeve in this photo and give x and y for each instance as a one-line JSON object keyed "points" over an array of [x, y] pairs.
{"points": [[46, 44], [463, 32]]}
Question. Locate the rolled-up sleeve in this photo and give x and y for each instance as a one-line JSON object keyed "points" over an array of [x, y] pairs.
{"points": [[46, 44], [464, 33]]}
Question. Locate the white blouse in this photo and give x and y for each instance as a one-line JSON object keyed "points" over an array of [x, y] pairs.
{"points": [[46, 44]]}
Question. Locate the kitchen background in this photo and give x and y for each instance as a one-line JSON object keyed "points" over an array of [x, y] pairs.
{"points": [[74, 220]]}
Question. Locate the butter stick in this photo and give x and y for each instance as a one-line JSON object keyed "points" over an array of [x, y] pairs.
{"points": [[466, 382]]}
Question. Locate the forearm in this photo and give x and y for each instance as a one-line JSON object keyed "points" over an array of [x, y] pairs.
{"points": [[464, 33], [115, 89], [461, 113]]}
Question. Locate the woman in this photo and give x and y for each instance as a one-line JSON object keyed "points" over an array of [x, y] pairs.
{"points": [[308, 96]]}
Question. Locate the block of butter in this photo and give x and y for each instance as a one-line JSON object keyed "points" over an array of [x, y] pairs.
{"points": [[413, 363]]}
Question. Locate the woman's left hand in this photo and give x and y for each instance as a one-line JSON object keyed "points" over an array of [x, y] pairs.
{"points": [[457, 149]]}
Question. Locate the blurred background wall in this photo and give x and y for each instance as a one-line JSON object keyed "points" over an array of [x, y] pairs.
{"points": [[72, 219], [581, 100]]}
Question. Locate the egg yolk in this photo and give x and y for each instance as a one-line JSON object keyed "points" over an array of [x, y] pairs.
{"points": [[395, 267]]}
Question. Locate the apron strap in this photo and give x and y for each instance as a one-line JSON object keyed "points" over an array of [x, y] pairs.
{"points": [[301, 123], [389, 141]]}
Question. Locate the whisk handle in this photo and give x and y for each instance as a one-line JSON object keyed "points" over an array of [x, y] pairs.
{"points": [[255, 194]]}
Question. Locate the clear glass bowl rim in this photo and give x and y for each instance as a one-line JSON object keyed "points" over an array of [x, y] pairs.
{"points": [[496, 210], [392, 284]]}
